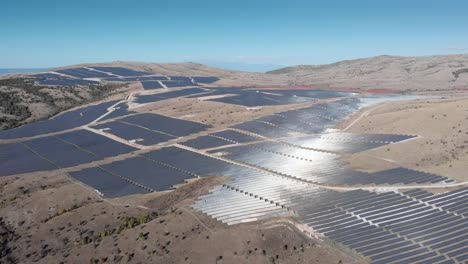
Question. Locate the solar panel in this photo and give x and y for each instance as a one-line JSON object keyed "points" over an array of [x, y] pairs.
{"points": [[168, 95], [177, 83], [66, 120], [106, 183], [205, 79], [204, 142], [148, 85], [131, 132], [66, 82], [59, 152], [47, 75], [17, 159], [83, 73], [95, 143], [148, 173], [119, 71], [164, 124]]}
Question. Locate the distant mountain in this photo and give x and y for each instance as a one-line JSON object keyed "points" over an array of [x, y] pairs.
{"points": [[243, 66], [392, 72]]}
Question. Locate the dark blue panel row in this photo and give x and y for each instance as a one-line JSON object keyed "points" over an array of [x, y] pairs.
{"points": [[17, 158], [146, 78], [149, 85], [130, 132], [67, 120], [121, 71], [106, 183], [61, 153], [235, 136], [189, 161], [204, 142], [173, 126], [271, 97], [66, 82], [263, 129], [148, 173], [168, 95], [252, 98], [180, 78], [176, 83], [120, 110], [65, 150], [97, 144], [83, 73], [205, 79], [47, 75]]}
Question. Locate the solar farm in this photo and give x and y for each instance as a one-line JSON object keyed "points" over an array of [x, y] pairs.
{"points": [[289, 162], [98, 75]]}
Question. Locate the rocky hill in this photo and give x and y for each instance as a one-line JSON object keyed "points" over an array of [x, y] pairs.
{"points": [[391, 72]]}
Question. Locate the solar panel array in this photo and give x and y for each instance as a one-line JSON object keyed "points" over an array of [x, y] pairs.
{"points": [[47, 75], [274, 165], [142, 99], [64, 121], [218, 139], [61, 151], [66, 82], [119, 111], [387, 227], [205, 79], [106, 183], [119, 71], [308, 120], [150, 129], [146, 78], [180, 78], [250, 98], [178, 83], [131, 176], [141, 135], [319, 167], [83, 73], [149, 85], [345, 142]]}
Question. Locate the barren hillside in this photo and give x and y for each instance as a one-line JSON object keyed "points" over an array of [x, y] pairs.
{"points": [[391, 72]]}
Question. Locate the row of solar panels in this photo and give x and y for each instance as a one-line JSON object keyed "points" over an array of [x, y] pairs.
{"points": [[309, 120], [150, 85], [85, 115], [60, 151], [329, 142], [150, 129], [240, 96], [247, 97], [386, 227], [161, 167], [62, 77], [64, 121], [319, 167]]}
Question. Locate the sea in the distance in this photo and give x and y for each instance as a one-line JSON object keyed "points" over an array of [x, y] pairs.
{"points": [[20, 70]]}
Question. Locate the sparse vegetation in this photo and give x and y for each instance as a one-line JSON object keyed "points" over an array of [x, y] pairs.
{"points": [[17, 95], [7, 237]]}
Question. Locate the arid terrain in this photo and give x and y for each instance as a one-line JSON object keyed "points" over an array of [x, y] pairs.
{"points": [[402, 74], [51, 217], [429, 73], [442, 128], [48, 218]]}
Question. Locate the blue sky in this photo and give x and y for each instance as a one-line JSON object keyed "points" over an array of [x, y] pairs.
{"points": [[50, 33]]}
